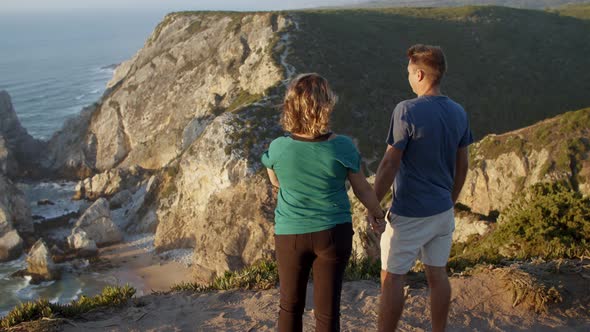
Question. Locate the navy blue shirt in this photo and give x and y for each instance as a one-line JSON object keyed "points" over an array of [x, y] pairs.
{"points": [[430, 130]]}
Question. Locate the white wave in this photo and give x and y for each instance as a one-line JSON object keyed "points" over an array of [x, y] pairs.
{"points": [[80, 96], [95, 91]]}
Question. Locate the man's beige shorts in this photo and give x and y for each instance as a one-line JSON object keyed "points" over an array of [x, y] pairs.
{"points": [[406, 239]]}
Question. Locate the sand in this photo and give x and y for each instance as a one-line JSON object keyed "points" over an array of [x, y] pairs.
{"points": [[135, 262], [479, 303]]}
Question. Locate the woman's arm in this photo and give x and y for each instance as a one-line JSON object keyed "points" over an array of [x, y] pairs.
{"points": [[365, 193], [273, 177]]}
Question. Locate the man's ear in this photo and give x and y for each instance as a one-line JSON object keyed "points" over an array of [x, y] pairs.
{"points": [[421, 75]]}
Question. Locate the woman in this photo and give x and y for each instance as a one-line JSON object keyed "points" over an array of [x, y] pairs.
{"points": [[313, 223]]}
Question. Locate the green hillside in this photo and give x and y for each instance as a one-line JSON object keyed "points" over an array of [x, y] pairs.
{"points": [[536, 4], [581, 11], [509, 67]]}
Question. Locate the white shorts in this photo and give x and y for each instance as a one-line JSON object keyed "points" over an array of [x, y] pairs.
{"points": [[406, 238]]}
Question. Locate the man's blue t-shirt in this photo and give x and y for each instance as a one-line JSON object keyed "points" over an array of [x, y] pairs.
{"points": [[430, 130]]}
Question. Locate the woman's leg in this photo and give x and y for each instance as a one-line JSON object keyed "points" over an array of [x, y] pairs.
{"points": [[332, 248], [294, 259]]}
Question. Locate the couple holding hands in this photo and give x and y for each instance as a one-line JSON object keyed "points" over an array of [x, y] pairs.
{"points": [[425, 160]]}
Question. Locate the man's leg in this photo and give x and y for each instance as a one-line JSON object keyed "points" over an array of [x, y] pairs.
{"points": [[435, 255], [440, 296], [392, 300]]}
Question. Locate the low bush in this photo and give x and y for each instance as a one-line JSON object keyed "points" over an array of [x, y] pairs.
{"points": [[42, 308]]}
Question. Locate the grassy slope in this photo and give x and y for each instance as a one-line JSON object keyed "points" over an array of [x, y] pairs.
{"points": [[508, 67], [538, 4], [581, 11]]}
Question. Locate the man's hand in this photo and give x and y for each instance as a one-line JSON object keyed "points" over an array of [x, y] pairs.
{"points": [[377, 224]]}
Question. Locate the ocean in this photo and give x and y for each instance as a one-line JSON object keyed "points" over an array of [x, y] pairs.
{"points": [[53, 65]]}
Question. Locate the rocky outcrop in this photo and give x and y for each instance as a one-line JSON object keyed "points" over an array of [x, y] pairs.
{"points": [[11, 244], [469, 224], [40, 265], [192, 68], [502, 166], [108, 183], [71, 152], [97, 223], [18, 150]]}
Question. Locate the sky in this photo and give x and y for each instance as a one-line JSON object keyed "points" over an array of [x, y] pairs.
{"points": [[7, 6]]}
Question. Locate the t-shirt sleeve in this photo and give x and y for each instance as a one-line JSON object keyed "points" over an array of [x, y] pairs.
{"points": [[467, 138], [400, 128], [269, 157], [350, 156]]}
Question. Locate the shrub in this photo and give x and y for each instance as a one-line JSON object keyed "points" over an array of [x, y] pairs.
{"points": [[549, 221], [42, 308]]}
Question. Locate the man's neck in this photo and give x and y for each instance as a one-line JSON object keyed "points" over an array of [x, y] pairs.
{"points": [[433, 90]]}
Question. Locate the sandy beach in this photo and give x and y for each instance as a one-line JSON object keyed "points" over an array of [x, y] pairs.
{"points": [[135, 262]]}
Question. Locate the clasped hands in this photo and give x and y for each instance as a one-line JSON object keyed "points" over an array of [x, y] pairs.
{"points": [[377, 224]]}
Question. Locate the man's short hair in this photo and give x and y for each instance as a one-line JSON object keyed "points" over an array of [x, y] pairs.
{"points": [[431, 59]]}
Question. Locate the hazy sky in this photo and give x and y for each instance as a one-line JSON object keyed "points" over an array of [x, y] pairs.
{"points": [[45, 5]]}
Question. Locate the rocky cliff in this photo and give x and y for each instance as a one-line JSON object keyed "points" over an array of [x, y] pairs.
{"points": [[193, 68], [502, 166], [177, 136]]}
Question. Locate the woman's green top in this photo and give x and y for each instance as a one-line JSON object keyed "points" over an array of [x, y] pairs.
{"points": [[312, 176]]}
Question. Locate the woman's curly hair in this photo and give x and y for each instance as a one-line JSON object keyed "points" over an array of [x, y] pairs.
{"points": [[309, 101]]}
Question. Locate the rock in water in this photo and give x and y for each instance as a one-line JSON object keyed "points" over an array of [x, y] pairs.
{"points": [[98, 224], [21, 149], [15, 217], [80, 242], [40, 265], [11, 245]]}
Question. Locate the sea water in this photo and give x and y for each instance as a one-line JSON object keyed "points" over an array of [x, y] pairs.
{"points": [[53, 65]]}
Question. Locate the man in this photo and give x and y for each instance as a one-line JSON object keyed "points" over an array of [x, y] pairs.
{"points": [[427, 157]]}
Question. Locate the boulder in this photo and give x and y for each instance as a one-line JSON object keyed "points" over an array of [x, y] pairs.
{"points": [[40, 265], [109, 183], [11, 245], [467, 224], [121, 198], [82, 243], [141, 214], [98, 224]]}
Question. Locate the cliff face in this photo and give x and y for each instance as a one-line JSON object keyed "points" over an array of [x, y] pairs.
{"points": [[193, 68], [198, 103], [503, 165]]}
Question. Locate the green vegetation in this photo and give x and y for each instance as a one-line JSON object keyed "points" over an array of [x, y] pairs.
{"points": [[538, 4], [548, 221], [493, 70], [581, 11], [262, 275], [28, 311], [265, 275]]}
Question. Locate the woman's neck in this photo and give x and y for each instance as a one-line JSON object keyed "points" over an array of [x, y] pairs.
{"points": [[308, 137]]}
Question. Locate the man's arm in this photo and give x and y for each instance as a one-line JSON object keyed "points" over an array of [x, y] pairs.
{"points": [[461, 167], [273, 177], [387, 171]]}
